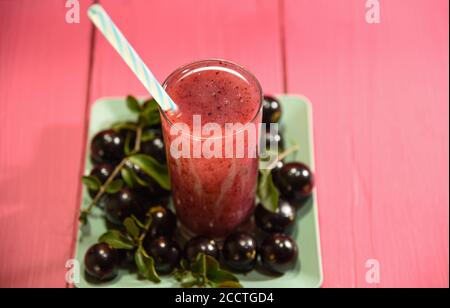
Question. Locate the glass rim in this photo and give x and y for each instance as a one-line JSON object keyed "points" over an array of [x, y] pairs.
{"points": [[234, 65]]}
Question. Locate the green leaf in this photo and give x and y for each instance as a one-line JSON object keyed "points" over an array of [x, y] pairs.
{"points": [[128, 147], [147, 136], [184, 264], [151, 106], [221, 276], [188, 280], [127, 176], [146, 266], [131, 227], [115, 186], [268, 194], [205, 271], [116, 240], [150, 115], [199, 267], [212, 265], [215, 273], [124, 126], [139, 260], [153, 169], [131, 179], [138, 180], [91, 182], [138, 222], [83, 218], [133, 104], [150, 119]]}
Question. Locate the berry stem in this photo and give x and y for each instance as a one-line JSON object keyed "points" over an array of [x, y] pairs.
{"points": [[148, 224], [102, 190], [137, 147], [283, 155]]}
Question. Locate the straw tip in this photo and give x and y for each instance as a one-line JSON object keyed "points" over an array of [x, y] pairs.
{"points": [[94, 8]]}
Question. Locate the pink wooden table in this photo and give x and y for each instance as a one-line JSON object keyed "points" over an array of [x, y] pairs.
{"points": [[381, 113]]}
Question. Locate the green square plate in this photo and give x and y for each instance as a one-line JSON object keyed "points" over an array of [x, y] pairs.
{"points": [[297, 127]]}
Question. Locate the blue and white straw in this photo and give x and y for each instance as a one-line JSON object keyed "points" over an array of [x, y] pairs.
{"points": [[115, 37]]}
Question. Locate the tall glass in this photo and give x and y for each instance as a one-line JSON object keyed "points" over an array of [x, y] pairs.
{"points": [[213, 164]]}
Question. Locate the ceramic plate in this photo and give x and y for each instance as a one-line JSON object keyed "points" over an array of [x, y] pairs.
{"points": [[297, 127]]}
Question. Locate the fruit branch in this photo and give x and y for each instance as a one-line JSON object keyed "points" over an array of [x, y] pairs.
{"points": [[102, 190], [137, 147], [283, 155], [147, 226]]}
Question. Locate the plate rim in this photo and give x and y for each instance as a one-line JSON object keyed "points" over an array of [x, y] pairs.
{"points": [[310, 120]]}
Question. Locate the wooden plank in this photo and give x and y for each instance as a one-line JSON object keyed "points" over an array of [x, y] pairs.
{"points": [[380, 96], [43, 84], [168, 34]]}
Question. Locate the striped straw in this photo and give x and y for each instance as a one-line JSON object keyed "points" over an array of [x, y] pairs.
{"points": [[115, 37]]}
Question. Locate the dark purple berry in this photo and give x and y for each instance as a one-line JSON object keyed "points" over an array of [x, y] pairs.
{"points": [[165, 252], [240, 252], [155, 147], [273, 140], [150, 188], [119, 206], [126, 258], [276, 173], [108, 147], [164, 222], [146, 199], [102, 172], [271, 110], [296, 181], [280, 221], [201, 244], [279, 253], [101, 262]]}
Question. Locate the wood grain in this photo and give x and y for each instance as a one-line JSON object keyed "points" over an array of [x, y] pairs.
{"points": [[168, 34], [379, 92], [43, 74], [380, 96], [44, 84]]}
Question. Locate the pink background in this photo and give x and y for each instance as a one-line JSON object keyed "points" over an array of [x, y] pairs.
{"points": [[380, 96]]}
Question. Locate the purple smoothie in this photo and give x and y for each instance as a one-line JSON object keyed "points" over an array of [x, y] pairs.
{"points": [[213, 196]]}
